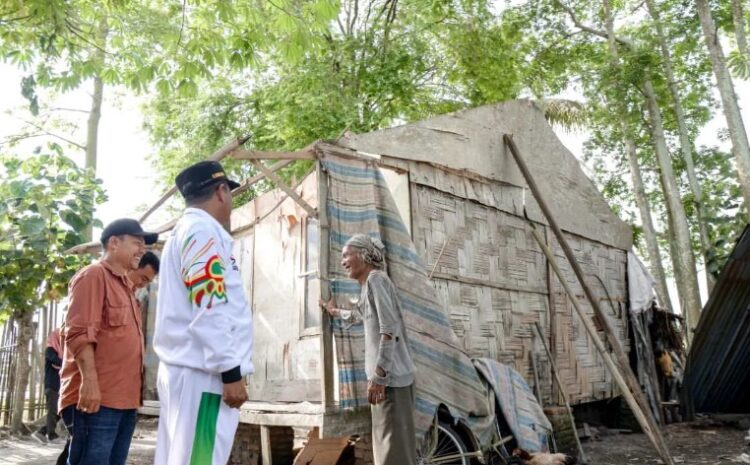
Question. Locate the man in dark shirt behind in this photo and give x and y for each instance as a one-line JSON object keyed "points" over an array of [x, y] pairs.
{"points": [[52, 364]]}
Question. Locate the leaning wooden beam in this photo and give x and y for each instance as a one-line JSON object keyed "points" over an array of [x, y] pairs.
{"points": [[609, 333], [650, 431], [249, 182], [245, 185], [282, 185], [89, 247], [308, 153], [562, 391], [265, 215], [216, 156], [326, 334], [624, 375]]}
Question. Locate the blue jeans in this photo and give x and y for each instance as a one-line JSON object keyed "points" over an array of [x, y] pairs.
{"points": [[101, 438]]}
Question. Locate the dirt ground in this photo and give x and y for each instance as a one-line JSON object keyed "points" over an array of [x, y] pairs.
{"points": [[704, 442], [27, 451]]}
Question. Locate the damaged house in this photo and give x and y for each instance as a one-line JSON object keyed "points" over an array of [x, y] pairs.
{"points": [[449, 202]]}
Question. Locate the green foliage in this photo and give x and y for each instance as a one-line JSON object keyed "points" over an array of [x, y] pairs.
{"points": [[287, 73], [44, 208], [722, 199], [739, 64], [170, 44], [364, 71]]}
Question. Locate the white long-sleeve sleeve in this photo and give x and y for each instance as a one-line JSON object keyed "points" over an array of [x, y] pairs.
{"points": [[204, 273], [203, 317]]}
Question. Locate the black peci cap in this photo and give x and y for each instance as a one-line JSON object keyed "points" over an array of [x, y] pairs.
{"points": [[200, 175], [130, 227]]}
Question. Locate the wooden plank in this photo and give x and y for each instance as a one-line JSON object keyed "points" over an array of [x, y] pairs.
{"points": [[321, 451], [304, 408], [265, 445], [555, 394], [282, 185], [484, 283], [255, 413], [248, 183], [347, 423], [631, 387], [92, 246], [652, 432], [564, 394], [265, 215], [326, 334], [284, 390], [281, 419], [308, 153], [216, 156]]}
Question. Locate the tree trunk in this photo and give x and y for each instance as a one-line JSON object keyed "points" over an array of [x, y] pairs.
{"points": [[682, 258], [24, 325], [8, 366], [92, 129], [649, 231], [737, 133], [641, 199], [738, 16], [687, 147], [683, 261], [95, 115]]}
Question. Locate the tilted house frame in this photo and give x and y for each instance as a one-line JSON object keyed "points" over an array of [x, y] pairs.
{"points": [[462, 199]]}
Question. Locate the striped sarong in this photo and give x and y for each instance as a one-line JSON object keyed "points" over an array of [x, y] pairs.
{"points": [[359, 202]]}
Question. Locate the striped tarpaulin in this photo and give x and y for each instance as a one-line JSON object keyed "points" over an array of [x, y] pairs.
{"points": [[359, 202], [522, 412]]}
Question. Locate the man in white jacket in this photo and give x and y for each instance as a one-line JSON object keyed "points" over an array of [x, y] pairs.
{"points": [[203, 332]]}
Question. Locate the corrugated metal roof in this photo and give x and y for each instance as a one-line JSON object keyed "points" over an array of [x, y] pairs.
{"points": [[717, 375]]}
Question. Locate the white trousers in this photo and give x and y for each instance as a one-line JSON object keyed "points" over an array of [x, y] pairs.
{"points": [[196, 427]]}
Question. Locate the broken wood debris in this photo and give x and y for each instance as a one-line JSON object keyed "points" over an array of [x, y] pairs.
{"points": [[329, 451]]}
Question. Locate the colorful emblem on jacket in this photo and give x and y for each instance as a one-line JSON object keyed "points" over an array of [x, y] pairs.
{"points": [[204, 279]]}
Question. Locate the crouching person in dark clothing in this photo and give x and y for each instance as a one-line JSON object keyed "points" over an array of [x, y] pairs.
{"points": [[52, 364]]}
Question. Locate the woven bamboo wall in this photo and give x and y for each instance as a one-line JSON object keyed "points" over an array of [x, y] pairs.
{"points": [[495, 281]]}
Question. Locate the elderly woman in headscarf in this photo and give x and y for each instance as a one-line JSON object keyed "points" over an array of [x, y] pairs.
{"points": [[388, 363]]}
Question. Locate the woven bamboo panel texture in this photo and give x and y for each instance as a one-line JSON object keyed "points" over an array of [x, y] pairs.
{"points": [[494, 280]]}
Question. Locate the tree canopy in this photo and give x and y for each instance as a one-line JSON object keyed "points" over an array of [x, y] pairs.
{"points": [[286, 73], [44, 209]]}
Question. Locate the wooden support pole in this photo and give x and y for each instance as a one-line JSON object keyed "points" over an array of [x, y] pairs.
{"points": [[311, 213], [249, 182], [535, 372], [245, 185], [308, 153], [563, 392], [265, 445], [326, 332], [437, 262], [653, 433], [216, 156], [630, 386], [552, 322]]}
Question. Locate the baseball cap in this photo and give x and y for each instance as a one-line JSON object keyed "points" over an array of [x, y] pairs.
{"points": [[201, 175], [130, 227]]}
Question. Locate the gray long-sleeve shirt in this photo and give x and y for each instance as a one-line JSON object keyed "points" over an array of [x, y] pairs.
{"points": [[380, 309]]}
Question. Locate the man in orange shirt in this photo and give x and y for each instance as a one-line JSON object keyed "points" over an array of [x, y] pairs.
{"points": [[103, 354]]}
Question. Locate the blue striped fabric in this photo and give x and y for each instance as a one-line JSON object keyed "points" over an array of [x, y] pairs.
{"points": [[520, 408], [360, 202]]}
